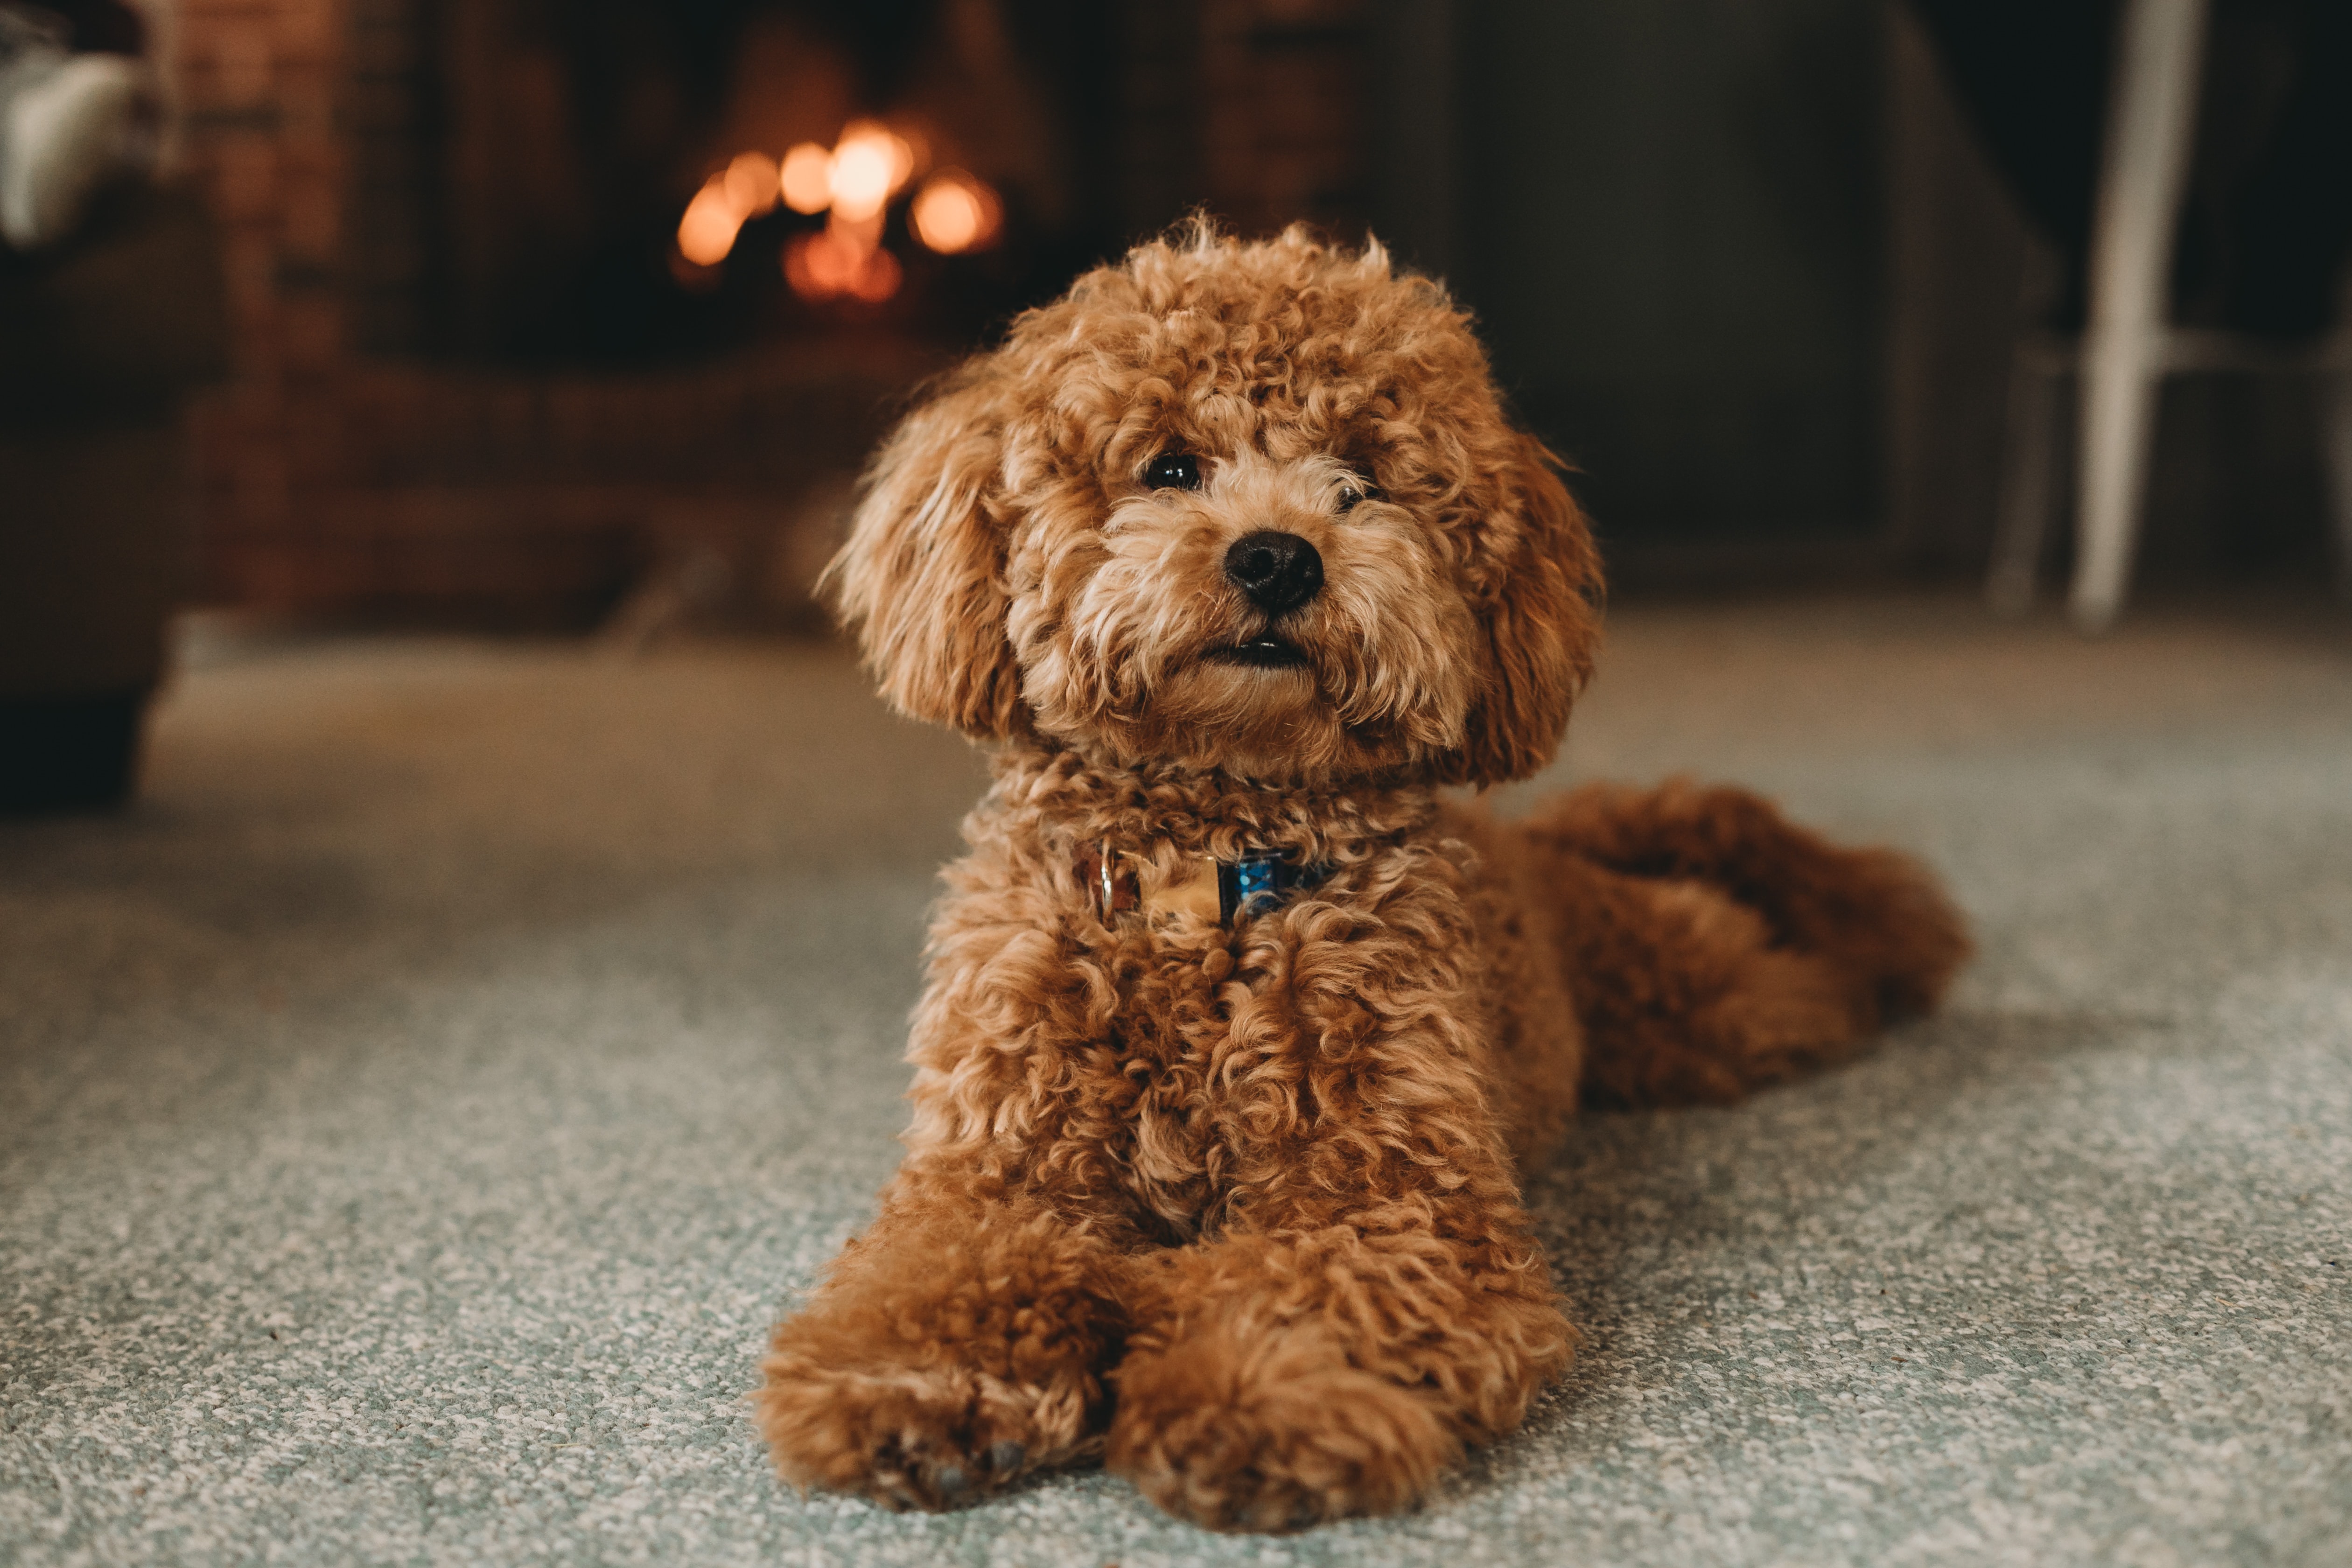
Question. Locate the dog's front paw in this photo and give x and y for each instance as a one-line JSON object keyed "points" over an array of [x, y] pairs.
{"points": [[930, 1437], [950, 1351], [1276, 1433]]}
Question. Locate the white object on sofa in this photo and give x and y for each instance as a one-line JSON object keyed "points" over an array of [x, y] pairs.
{"points": [[67, 124]]}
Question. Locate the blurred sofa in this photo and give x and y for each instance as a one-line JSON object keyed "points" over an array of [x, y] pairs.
{"points": [[102, 339]]}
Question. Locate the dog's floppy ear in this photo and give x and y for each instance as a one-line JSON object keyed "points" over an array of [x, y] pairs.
{"points": [[921, 579], [1540, 613]]}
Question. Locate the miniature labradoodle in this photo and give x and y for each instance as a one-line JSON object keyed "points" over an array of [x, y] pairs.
{"points": [[1239, 1027]]}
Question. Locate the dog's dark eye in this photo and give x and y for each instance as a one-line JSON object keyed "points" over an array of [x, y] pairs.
{"points": [[1173, 471], [1352, 496]]}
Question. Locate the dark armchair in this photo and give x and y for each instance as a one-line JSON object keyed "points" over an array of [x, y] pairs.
{"points": [[101, 340]]}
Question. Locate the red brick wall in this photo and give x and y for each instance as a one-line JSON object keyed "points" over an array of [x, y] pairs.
{"points": [[1282, 84], [257, 82], [336, 478]]}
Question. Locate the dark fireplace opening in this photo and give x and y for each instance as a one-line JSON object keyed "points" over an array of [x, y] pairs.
{"points": [[600, 181]]}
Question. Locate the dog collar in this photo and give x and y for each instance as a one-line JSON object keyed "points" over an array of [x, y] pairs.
{"points": [[1221, 891]]}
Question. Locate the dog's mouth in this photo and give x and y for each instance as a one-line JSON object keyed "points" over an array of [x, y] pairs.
{"points": [[1262, 652]]}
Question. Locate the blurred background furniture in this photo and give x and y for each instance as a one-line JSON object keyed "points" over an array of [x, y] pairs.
{"points": [[2129, 345], [2153, 283], [101, 341]]}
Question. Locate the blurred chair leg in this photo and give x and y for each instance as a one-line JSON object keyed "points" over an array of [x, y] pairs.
{"points": [[2121, 378], [2336, 411], [2027, 453], [2143, 169]]}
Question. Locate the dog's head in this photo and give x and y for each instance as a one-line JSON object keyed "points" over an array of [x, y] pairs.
{"points": [[1254, 507]]}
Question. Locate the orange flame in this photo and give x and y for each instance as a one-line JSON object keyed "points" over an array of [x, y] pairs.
{"points": [[855, 179], [843, 259], [870, 165], [807, 178], [751, 183], [706, 233], [954, 211]]}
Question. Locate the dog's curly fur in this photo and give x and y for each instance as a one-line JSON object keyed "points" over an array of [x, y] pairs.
{"points": [[1238, 1208]]}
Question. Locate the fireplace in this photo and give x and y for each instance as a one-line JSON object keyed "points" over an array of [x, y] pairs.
{"points": [[536, 300], [600, 181]]}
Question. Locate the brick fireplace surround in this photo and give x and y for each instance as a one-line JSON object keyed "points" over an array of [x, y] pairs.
{"points": [[335, 479]]}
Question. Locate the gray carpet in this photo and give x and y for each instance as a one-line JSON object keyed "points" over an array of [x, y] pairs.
{"points": [[412, 1115]]}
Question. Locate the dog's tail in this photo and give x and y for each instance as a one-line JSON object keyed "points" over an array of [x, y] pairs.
{"points": [[1713, 946]]}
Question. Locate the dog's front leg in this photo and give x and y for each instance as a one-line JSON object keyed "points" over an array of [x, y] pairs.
{"points": [[1332, 1359], [960, 1342]]}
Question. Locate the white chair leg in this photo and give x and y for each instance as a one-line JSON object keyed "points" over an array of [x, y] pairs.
{"points": [[2028, 451], [2121, 378], [2144, 168]]}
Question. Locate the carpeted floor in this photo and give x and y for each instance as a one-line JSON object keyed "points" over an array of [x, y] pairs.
{"points": [[413, 1114]]}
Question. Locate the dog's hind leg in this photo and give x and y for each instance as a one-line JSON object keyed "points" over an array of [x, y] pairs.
{"points": [[1713, 946]]}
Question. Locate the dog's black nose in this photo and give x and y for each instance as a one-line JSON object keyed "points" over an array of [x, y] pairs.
{"points": [[1278, 571]]}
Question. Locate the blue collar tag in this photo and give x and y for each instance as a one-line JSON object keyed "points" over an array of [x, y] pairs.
{"points": [[1227, 890], [1261, 880]]}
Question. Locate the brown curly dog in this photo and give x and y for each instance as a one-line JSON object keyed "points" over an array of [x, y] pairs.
{"points": [[1237, 1032]]}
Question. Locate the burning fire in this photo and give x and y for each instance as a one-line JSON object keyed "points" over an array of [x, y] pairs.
{"points": [[808, 178], [870, 163], [854, 181], [841, 260], [954, 211], [744, 190]]}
